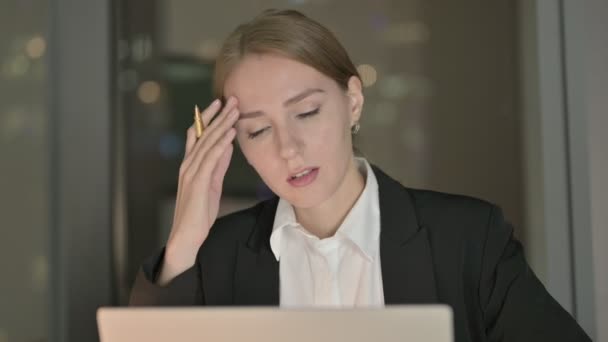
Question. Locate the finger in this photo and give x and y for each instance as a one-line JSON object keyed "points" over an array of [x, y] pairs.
{"points": [[190, 140], [230, 106], [211, 159], [206, 116], [209, 113], [213, 137], [222, 166], [176, 210], [212, 133], [219, 127]]}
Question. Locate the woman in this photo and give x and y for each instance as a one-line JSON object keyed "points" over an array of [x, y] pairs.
{"points": [[340, 232]]}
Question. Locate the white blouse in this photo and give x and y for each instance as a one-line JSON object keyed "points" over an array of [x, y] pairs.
{"points": [[340, 271]]}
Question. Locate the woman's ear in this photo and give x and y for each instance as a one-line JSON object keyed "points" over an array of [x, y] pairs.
{"points": [[356, 99]]}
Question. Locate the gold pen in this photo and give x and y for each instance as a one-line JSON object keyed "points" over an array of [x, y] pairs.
{"points": [[198, 122]]}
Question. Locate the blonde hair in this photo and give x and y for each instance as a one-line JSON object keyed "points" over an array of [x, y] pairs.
{"points": [[288, 33]]}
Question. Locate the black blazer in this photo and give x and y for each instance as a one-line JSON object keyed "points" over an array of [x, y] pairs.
{"points": [[434, 248]]}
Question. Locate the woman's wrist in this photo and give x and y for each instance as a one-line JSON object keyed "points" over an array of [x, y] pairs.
{"points": [[180, 255]]}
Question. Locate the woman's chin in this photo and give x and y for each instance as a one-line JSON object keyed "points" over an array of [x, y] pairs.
{"points": [[304, 199]]}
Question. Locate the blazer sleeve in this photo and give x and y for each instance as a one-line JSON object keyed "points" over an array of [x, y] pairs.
{"points": [[184, 290], [515, 305]]}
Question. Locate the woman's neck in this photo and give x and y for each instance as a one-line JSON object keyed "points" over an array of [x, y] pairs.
{"points": [[324, 220]]}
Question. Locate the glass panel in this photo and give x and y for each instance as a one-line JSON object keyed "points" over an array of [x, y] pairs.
{"points": [[24, 165]]}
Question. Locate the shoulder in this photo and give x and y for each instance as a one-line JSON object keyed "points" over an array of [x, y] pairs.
{"points": [[443, 214], [457, 217], [433, 207], [465, 233]]}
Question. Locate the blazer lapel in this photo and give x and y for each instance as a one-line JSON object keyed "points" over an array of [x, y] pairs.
{"points": [[405, 253], [256, 277]]}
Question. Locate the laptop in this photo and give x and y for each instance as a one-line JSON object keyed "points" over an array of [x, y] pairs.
{"points": [[431, 323]]}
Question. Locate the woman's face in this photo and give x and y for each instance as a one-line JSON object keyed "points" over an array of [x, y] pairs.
{"points": [[293, 119]]}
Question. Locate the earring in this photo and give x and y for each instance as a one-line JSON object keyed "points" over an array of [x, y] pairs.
{"points": [[355, 128]]}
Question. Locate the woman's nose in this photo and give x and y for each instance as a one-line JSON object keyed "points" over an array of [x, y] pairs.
{"points": [[288, 146]]}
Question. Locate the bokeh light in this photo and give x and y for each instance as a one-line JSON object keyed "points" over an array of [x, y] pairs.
{"points": [[35, 47], [209, 49], [170, 146], [368, 73], [385, 113], [141, 48], [16, 67], [40, 273], [148, 92], [394, 87], [12, 123]]}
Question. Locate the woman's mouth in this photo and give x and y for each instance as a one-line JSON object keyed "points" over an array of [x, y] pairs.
{"points": [[304, 177]]}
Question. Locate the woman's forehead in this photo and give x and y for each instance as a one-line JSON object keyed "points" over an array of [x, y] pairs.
{"points": [[259, 77]]}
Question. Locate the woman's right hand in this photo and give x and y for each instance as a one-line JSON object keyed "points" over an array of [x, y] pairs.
{"points": [[199, 189]]}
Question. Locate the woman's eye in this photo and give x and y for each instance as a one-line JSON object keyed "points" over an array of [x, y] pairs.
{"points": [[256, 133], [308, 114]]}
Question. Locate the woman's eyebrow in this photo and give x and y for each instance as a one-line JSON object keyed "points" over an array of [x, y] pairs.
{"points": [[295, 99], [301, 96]]}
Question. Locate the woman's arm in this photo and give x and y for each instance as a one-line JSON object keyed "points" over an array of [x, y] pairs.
{"points": [[172, 277], [183, 290], [515, 305]]}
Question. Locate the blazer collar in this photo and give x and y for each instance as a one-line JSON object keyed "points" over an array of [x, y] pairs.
{"points": [[405, 253], [408, 275], [256, 278]]}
